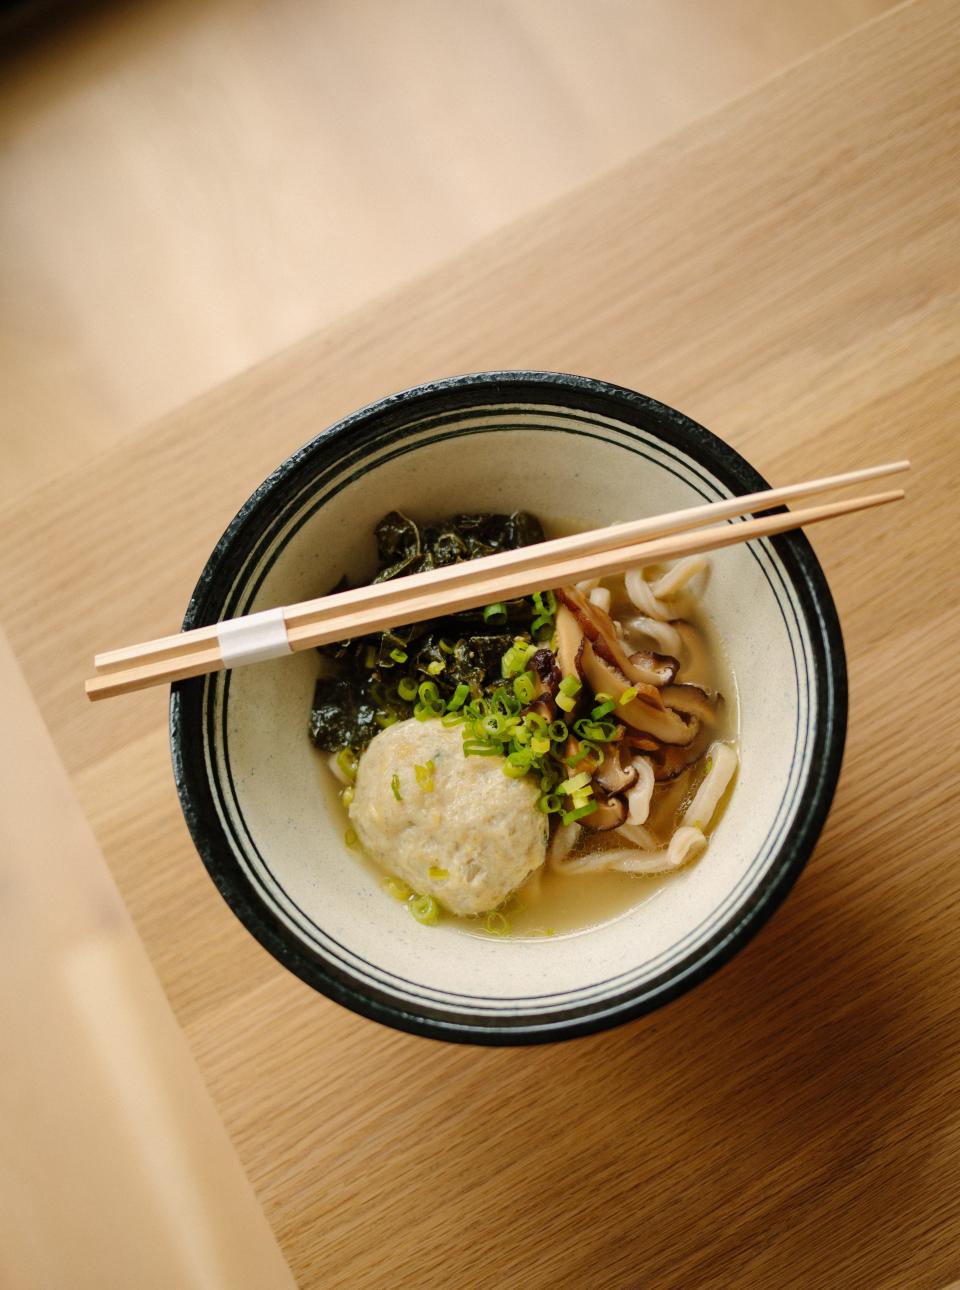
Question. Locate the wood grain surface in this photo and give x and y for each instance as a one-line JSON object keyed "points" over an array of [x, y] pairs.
{"points": [[240, 172], [787, 272], [115, 1169]]}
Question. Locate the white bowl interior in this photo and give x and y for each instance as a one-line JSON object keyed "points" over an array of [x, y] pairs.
{"points": [[286, 821]]}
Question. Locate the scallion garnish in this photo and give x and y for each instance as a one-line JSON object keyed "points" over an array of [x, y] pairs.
{"points": [[574, 782], [496, 614], [525, 686], [496, 924], [397, 888], [424, 775], [578, 812], [459, 697], [395, 787], [424, 909]]}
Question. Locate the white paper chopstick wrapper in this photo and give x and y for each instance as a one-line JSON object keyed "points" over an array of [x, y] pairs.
{"points": [[253, 639]]}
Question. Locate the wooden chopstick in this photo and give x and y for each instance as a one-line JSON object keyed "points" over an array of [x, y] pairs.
{"points": [[457, 575], [479, 582]]}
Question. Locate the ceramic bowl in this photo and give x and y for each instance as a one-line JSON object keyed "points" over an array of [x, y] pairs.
{"points": [[253, 789]]}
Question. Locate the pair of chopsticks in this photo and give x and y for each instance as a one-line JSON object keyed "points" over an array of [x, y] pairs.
{"points": [[543, 566]]}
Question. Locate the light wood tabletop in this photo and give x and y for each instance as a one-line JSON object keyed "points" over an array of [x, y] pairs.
{"points": [[786, 271]]}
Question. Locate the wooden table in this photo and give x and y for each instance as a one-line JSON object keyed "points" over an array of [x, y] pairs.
{"points": [[787, 272]]}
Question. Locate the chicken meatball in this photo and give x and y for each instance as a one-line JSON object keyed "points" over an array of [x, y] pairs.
{"points": [[462, 831]]}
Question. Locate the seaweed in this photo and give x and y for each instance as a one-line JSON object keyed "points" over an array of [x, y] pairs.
{"points": [[344, 713], [405, 547], [458, 649]]}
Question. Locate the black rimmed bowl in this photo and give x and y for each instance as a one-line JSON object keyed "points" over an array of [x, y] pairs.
{"points": [[254, 791]]}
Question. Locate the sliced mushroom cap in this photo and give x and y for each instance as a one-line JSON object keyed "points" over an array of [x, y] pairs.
{"points": [[613, 776], [641, 743], [689, 698], [600, 633], [543, 664], [569, 642], [657, 669], [670, 761], [611, 812], [646, 712]]}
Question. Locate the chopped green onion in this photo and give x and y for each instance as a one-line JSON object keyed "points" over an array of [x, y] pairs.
{"points": [[346, 795], [709, 768], [495, 614], [534, 722], [574, 782], [549, 803], [566, 702], [541, 620], [407, 689], [578, 812], [446, 646], [525, 686], [398, 655], [558, 731], [397, 888], [514, 771], [570, 685], [384, 719], [424, 909], [347, 762], [438, 874], [540, 744], [459, 697], [628, 695], [545, 602], [496, 924], [602, 709], [515, 658], [351, 839], [476, 748], [451, 719], [436, 667], [429, 694], [370, 658], [587, 749], [601, 731], [424, 776], [395, 787]]}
